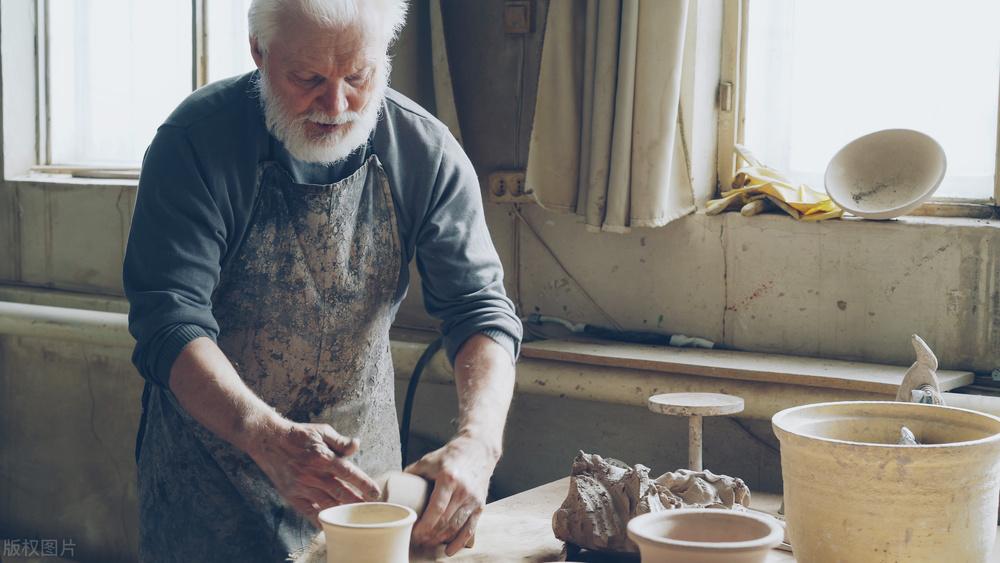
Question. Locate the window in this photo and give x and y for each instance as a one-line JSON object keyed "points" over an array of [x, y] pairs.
{"points": [[113, 70], [228, 47], [812, 75]]}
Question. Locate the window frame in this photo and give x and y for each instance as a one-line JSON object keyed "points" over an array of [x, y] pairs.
{"points": [[43, 156], [731, 105]]}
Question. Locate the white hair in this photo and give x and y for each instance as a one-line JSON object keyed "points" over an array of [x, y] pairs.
{"points": [[265, 16]]}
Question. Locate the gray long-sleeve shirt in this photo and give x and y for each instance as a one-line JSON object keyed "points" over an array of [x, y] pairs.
{"points": [[196, 194]]}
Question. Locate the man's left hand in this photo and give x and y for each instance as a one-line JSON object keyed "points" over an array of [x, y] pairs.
{"points": [[461, 472]]}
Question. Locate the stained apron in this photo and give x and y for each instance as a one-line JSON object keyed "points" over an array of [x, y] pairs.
{"points": [[304, 307]]}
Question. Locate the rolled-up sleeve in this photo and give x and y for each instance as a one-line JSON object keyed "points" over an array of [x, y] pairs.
{"points": [[461, 274], [172, 262]]}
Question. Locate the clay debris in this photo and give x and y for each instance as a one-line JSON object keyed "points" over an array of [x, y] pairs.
{"points": [[604, 494], [907, 438], [314, 552]]}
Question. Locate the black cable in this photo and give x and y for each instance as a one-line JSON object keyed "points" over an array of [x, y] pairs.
{"points": [[632, 336], [411, 392], [759, 440]]}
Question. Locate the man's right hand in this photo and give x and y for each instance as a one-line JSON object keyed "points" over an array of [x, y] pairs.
{"points": [[305, 462], [307, 465]]}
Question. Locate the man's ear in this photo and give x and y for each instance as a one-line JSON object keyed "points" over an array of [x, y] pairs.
{"points": [[255, 52]]}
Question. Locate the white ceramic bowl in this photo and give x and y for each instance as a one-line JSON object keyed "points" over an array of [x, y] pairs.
{"points": [[704, 535], [885, 174]]}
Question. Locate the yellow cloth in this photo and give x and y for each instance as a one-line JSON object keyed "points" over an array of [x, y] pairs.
{"points": [[756, 181]]}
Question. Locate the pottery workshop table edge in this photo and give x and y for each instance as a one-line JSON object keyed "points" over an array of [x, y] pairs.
{"points": [[519, 527]]}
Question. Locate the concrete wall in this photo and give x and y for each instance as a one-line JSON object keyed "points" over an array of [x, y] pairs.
{"points": [[847, 289], [69, 414], [839, 289]]}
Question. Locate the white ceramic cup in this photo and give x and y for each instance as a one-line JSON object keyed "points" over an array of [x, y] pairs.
{"points": [[368, 532]]}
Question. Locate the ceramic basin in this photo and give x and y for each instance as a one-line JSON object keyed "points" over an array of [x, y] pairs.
{"points": [[852, 494], [704, 535]]}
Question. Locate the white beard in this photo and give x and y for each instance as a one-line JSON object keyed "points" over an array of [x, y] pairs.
{"points": [[331, 147]]}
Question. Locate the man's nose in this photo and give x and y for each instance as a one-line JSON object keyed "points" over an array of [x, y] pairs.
{"points": [[333, 100]]}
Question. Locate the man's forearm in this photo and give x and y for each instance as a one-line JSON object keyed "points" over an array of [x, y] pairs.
{"points": [[207, 386], [484, 375], [304, 461]]}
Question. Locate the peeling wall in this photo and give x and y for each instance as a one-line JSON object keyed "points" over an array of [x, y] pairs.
{"points": [[852, 290]]}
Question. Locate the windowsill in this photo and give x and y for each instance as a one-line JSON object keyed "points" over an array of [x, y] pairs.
{"points": [[88, 171], [899, 222], [67, 180], [935, 207], [977, 209], [911, 220]]}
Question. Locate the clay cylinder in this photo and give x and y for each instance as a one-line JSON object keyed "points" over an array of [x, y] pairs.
{"points": [[407, 489], [368, 532], [853, 494]]}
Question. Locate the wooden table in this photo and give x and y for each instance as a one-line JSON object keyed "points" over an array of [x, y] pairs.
{"points": [[519, 528]]}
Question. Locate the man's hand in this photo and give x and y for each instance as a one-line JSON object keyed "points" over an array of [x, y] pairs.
{"points": [[307, 466], [305, 462], [461, 472]]}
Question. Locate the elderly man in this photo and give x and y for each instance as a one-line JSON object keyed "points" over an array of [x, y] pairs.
{"points": [[276, 217]]}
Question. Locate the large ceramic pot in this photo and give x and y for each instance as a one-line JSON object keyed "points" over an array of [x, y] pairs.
{"points": [[853, 494]]}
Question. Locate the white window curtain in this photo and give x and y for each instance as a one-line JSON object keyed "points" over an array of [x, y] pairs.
{"points": [[607, 143], [444, 92]]}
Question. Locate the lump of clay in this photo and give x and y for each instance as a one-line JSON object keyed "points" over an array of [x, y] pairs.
{"points": [[605, 494], [704, 489]]}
